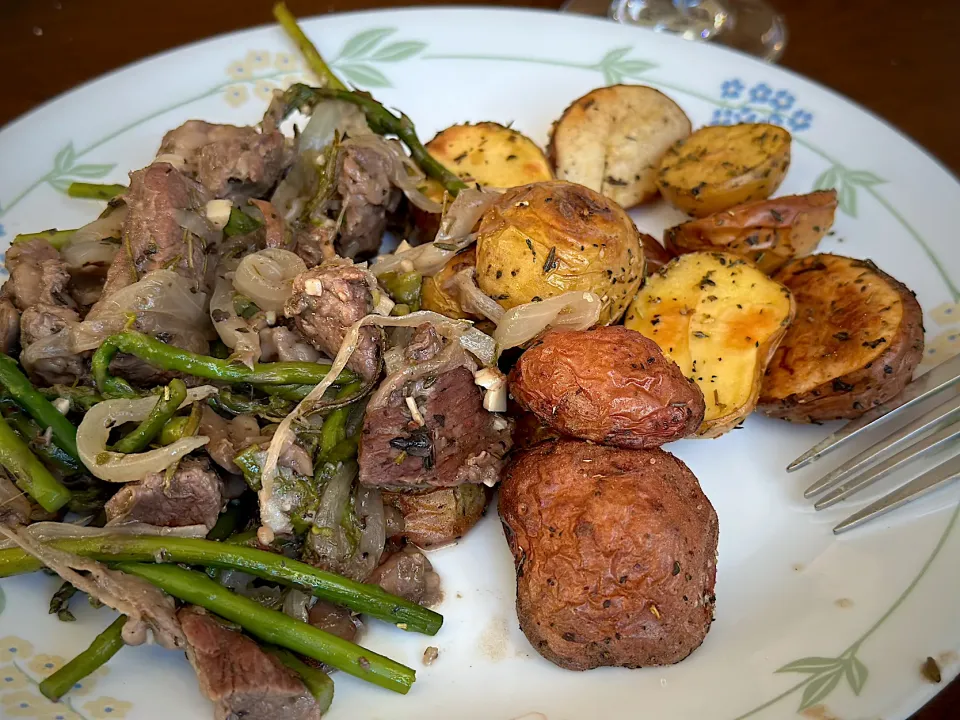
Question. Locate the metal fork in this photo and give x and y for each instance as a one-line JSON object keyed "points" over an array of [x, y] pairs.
{"points": [[934, 431]]}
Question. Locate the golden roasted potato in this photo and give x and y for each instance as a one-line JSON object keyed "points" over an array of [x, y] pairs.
{"points": [[857, 338], [541, 240], [436, 295], [612, 139], [610, 385], [768, 232], [487, 153], [720, 319], [440, 516], [654, 254], [615, 552], [724, 165]]}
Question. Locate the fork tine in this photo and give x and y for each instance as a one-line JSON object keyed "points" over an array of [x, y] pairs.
{"points": [[930, 383], [925, 447], [934, 419], [929, 481]]}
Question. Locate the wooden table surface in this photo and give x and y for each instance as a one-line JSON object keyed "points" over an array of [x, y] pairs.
{"points": [[895, 57]]}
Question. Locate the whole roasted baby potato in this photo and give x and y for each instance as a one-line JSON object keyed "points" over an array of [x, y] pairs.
{"points": [[439, 517], [438, 293], [720, 166], [768, 232], [610, 385], [615, 552], [856, 340], [655, 254], [541, 240]]}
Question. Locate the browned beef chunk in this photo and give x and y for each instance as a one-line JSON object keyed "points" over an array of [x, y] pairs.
{"points": [[236, 674], [326, 301], [229, 161], [152, 234], [459, 442], [285, 345], [9, 325], [334, 619], [409, 575], [228, 437], [192, 497], [42, 322], [315, 242], [274, 226], [37, 275], [367, 195]]}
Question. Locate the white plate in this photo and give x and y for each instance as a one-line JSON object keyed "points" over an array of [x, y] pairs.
{"points": [[806, 623]]}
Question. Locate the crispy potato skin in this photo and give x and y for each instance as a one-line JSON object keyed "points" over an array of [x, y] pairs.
{"points": [[436, 296], [721, 166], [855, 343], [612, 139], [655, 254], [610, 385], [615, 552], [441, 516], [720, 319], [541, 240], [768, 232], [528, 429]]}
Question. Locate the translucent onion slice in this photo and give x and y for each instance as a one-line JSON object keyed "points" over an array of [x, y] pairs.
{"points": [[266, 277], [94, 431], [574, 310]]}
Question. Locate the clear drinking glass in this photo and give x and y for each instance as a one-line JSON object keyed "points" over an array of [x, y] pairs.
{"points": [[748, 25]]}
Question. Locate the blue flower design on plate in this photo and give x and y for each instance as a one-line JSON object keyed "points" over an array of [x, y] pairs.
{"points": [[747, 115], [775, 119], [732, 89], [782, 100], [722, 116], [760, 93], [2, 231], [800, 120]]}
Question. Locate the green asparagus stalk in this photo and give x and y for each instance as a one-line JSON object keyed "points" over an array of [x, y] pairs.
{"points": [[404, 287], [29, 473], [314, 60], [167, 404], [167, 357], [359, 597], [334, 429], [49, 452], [275, 627], [239, 223], [317, 681], [104, 646], [57, 238], [39, 408], [173, 429], [81, 398], [382, 122], [236, 403], [95, 191]]}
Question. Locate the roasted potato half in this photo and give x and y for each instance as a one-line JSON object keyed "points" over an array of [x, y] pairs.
{"points": [[655, 255], [615, 552], [610, 385], [438, 295], [768, 232], [720, 319], [541, 240], [439, 517], [612, 139], [855, 342], [724, 165]]}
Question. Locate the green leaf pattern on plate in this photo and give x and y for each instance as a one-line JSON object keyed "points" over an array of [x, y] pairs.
{"points": [[65, 170], [355, 61]]}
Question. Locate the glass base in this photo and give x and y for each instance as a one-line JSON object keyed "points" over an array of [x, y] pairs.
{"points": [[751, 26]]}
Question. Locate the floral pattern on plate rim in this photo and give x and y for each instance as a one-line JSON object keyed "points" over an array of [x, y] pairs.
{"points": [[260, 73]]}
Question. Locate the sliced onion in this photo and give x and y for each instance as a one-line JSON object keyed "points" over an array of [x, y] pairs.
{"points": [[232, 329], [329, 118], [296, 604], [76, 255], [266, 277], [472, 298], [111, 466], [110, 225], [199, 225], [403, 172], [574, 310]]}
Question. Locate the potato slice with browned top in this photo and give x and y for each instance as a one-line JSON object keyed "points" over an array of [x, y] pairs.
{"points": [[768, 232], [857, 338], [720, 319], [612, 139], [724, 165]]}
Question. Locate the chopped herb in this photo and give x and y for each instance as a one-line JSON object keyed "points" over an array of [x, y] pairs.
{"points": [[551, 261], [843, 335], [700, 334]]}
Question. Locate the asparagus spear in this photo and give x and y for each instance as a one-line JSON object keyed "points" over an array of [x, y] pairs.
{"points": [[50, 452], [29, 473], [275, 627], [167, 404], [95, 191], [38, 406], [313, 57], [167, 357], [359, 597], [104, 646], [334, 430], [57, 238], [317, 681]]}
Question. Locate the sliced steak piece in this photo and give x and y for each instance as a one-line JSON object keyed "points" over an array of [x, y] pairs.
{"points": [[193, 496], [39, 326], [460, 442], [37, 275], [242, 679], [326, 301], [9, 325], [408, 574], [334, 619], [229, 161], [315, 243], [152, 235], [367, 195]]}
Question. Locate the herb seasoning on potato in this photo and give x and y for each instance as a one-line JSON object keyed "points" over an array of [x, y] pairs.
{"points": [[720, 319], [724, 165], [855, 343]]}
